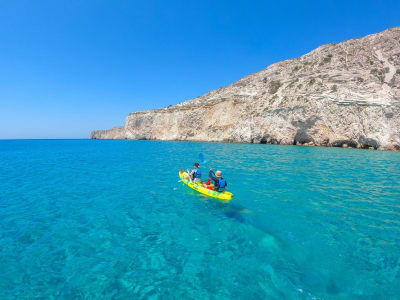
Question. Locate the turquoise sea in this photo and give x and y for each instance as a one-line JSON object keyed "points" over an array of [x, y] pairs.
{"points": [[91, 219]]}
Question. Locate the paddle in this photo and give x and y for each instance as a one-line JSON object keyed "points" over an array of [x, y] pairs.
{"points": [[202, 158]]}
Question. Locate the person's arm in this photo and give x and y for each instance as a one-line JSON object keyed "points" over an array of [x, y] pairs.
{"points": [[213, 178], [191, 175], [211, 175]]}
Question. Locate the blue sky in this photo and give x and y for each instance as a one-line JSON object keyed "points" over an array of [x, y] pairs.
{"points": [[68, 67]]}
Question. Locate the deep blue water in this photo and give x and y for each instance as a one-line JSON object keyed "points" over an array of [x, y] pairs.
{"points": [[109, 219]]}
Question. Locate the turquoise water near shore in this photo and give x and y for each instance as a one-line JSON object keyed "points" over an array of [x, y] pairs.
{"points": [[109, 219]]}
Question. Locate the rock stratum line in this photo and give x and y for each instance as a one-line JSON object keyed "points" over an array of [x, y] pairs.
{"points": [[340, 95]]}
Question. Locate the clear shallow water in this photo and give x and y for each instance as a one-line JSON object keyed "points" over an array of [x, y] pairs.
{"points": [[108, 219]]}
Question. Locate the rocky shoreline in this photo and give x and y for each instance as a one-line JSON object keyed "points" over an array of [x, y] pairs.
{"points": [[339, 95]]}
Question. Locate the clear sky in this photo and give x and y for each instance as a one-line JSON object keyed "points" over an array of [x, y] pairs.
{"points": [[68, 67]]}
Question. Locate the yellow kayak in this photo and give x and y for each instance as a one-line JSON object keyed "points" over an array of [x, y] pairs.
{"points": [[225, 195]]}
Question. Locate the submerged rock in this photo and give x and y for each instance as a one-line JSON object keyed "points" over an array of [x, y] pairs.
{"points": [[339, 95]]}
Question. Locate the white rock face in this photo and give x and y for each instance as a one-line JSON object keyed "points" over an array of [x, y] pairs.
{"points": [[116, 133], [339, 94]]}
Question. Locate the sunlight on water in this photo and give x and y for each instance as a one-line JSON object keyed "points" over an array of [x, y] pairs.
{"points": [[109, 219]]}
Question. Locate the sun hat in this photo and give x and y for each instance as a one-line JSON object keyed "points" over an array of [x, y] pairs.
{"points": [[218, 174]]}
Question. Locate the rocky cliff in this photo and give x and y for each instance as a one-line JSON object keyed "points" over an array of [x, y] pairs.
{"points": [[343, 95]]}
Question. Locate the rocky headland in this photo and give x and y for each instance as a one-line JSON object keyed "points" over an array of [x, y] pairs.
{"points": [[340, 95]]}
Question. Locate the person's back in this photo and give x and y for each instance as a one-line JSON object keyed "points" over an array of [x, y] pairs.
{"points": [[219, 183], [195, 174]]}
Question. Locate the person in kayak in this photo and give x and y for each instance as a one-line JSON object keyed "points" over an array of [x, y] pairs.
{"points": [[219, 183], [195, 174]]}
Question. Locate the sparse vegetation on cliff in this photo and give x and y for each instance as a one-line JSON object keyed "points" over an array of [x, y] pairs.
{"points": [[291, 84], [296, 68], [326, 60], [274, 86]]}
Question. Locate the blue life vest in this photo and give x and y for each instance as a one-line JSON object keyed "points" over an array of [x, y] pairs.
{"points": [[222, 184], [198, 173]]}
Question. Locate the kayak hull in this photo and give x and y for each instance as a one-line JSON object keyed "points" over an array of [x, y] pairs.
{"points": [[225, 195]]}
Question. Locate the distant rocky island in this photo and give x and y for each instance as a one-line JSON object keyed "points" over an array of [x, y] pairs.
{"points": [[339, 95]]}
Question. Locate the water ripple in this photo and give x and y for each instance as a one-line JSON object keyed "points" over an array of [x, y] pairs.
{"points": [[108, 219]]}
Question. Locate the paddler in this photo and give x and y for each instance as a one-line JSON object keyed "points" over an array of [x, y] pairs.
{"points": [[195, 174], [219, 183]]}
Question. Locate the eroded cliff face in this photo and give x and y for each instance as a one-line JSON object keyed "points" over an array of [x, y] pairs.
{"points": [[345, 94], [116, 133]]}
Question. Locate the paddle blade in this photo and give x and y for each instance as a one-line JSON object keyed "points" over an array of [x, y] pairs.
{"points": [[202, 158]]}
